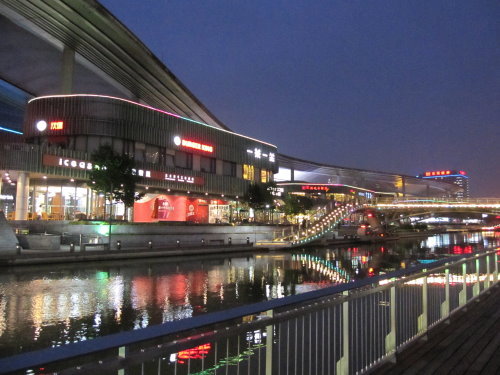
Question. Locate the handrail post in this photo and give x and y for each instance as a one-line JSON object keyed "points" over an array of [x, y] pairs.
{"points": [[390, 339], [462, 296], [495, 274], [269, 345], [343, 362], [423, 318], [445, 306], [488, 273], [476, 288], [122, 350]]}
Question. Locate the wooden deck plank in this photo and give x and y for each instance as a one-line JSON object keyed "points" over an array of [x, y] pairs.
{"points": [[470, 344]]}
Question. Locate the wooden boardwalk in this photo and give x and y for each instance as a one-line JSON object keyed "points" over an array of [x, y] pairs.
{"points": [[470, 344]]}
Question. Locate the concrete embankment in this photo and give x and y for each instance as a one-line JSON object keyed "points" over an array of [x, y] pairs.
{"points": [[30, 257]]}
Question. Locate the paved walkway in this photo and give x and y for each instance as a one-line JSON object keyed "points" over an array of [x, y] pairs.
{"points": [[470, 344]]}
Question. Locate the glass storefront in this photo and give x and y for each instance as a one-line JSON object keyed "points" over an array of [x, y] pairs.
{"points": [[74, 201]]}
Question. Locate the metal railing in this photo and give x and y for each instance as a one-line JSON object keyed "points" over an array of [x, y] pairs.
{"points": [[436, 202], [345, 329]]}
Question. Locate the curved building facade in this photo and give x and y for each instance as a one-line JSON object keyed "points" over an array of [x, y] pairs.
{"points": [[76, 78]]}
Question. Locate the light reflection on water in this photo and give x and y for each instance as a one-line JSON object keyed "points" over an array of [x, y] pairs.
{"points": [[48, 306]]}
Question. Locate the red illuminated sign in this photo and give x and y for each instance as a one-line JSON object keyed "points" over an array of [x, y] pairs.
{"points": [[315, 188], [197, 146], [437, 173], [56, 125]]}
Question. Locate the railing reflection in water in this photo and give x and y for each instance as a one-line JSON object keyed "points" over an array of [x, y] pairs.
{"points": [[348, 328]]}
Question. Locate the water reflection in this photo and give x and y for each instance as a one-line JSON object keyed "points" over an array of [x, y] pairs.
{"points": [[49, 306]]}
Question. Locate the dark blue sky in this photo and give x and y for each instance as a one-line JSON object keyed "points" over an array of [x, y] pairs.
{"points": [[396, 86]]}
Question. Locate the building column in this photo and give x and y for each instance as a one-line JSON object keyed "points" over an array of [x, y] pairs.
{"points": [[22, 194], [403, 181], [67, 68]]}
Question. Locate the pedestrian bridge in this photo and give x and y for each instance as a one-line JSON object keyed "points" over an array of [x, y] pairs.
{"points": [[344, 329], [482, 205], [296, 236]]}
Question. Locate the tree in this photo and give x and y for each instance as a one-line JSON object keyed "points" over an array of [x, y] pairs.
{"points": [[113, 175], [296, 204], [259, 196]]}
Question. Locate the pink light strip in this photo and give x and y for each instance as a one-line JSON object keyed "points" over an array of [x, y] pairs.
{"points": [[151, 108]]}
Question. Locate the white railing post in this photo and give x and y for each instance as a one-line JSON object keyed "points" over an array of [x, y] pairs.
{"points": [[495, 274], [390, 339], [269, 345], [462, 296], [477, 286], [343, 362], [423, 318], [488, 272], [122, 350], [445, 306]]}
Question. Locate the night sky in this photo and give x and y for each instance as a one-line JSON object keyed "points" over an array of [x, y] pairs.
{"points": [[394, 86]]}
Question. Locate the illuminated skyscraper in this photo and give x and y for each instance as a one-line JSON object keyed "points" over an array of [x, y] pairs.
{"points": [[459, 178]]}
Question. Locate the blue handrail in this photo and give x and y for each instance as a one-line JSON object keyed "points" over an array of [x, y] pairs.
{"points": [[49, 355]]}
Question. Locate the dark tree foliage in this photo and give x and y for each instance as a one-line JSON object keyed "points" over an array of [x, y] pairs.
{"points": [[295, 204], [258, 196], [113, 175]]}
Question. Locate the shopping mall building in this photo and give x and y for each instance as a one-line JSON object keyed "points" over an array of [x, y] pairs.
{"points": [[76, 78]]}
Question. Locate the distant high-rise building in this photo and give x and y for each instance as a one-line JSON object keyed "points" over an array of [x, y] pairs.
{"points": [[459, 178]]}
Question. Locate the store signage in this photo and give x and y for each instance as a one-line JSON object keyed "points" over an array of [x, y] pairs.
{"points": [[437, 173], [315, 188], [192, 144], [56, 161], [56, 125], [258, 154], [6, 197]]}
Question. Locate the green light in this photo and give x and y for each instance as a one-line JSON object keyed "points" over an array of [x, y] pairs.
{"points": [[103, 229]]}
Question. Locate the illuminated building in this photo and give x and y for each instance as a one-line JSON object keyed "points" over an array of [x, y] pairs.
{"points": [[186, 157], [458, 178], [190, 171]]}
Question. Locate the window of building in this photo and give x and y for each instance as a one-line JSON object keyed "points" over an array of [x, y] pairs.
{"points": [[152, 154], [229, 168], [265, 175], [248, 172], [207, 164], [140, 151], [118, 145], [81, 143], [169, 160], [183, 160]]}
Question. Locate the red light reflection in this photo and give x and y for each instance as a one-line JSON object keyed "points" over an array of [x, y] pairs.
{"points": [[198, 352]]}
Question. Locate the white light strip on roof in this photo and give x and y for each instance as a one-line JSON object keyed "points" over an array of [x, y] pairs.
{"points": [[152, 108], [319, 184]]}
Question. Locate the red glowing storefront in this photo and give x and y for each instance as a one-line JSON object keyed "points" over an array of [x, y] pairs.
{"points": [[162, 207]]}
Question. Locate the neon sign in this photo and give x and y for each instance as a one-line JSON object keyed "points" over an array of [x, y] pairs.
{"points": [[443, 173], [315, 188], [56, 125], [437, 173], [192, 144]]}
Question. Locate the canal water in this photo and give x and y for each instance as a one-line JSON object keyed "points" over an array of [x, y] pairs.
{"points": [[44, 306]]}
